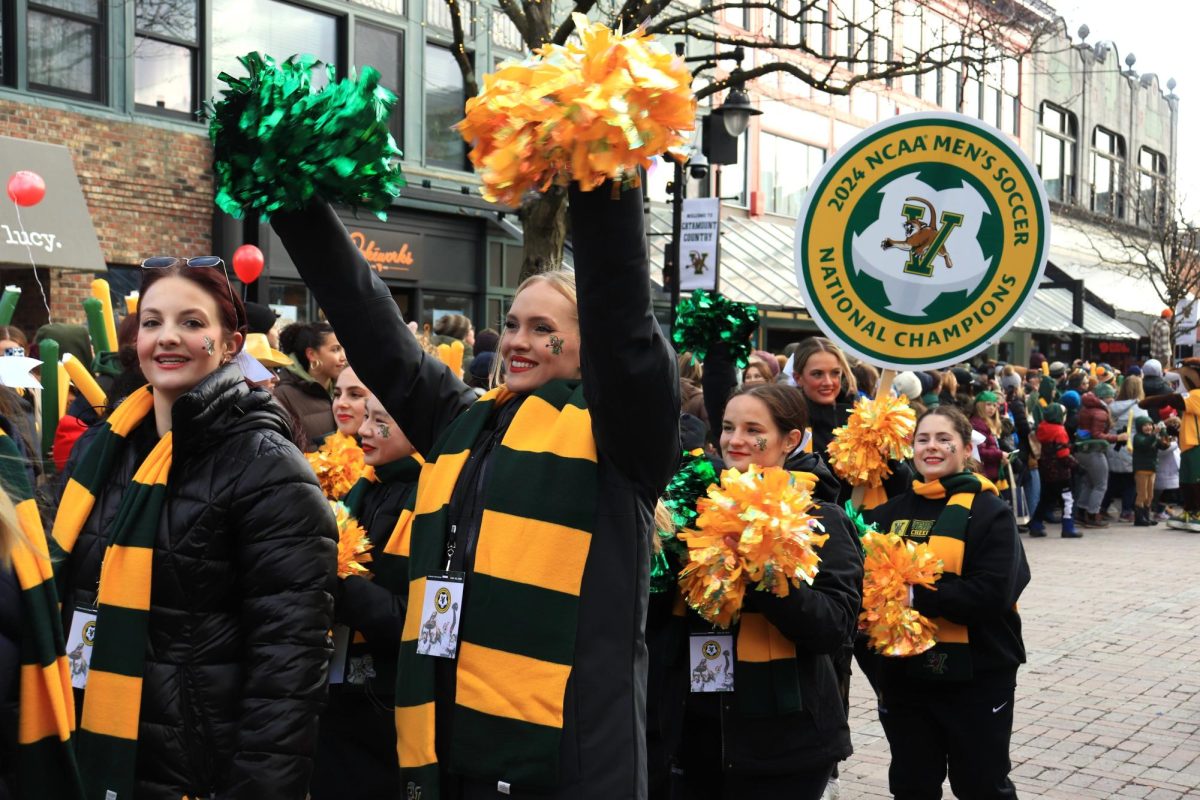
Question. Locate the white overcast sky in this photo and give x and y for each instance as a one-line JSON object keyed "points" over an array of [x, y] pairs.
{"points": [[1165, 37]]}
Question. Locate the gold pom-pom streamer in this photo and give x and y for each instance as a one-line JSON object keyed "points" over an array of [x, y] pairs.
{"points": [[452, 356], [766, 513], [891, 564], [338, 464], [353, 545], [587, 111], [878, 429]]}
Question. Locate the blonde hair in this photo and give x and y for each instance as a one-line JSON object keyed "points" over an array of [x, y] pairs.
{"points": [[1131, 389], [993, 422], [560, 281], [819, 344], [10, 530]]}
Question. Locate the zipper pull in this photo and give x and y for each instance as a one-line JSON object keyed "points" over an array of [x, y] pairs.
{"points": [[451, 544]]}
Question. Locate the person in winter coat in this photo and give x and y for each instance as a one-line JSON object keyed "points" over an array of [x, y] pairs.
{"points": [[358, 730], [1147, 442], [1073, 403], [539, 498], [1153, 382], [782, 728], [1187, 406], [1092, 442], [985, 419], [208, 624], [1055, 466], [1124, 410], [691, 395], [1166, 476], [305, 386], [821, 371], [951, 708]]}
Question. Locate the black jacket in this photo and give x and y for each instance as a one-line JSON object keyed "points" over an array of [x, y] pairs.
{"points": [[819, 620], [237, 651], [983, 598], [358, 728], [631, 385]]}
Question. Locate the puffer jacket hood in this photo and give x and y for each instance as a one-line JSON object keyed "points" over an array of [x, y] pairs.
{"points": [[1090, 400], [828, 486]]}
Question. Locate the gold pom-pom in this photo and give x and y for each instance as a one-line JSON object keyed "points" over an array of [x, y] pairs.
{"points": [[589, 111], [338, 464], [452, 356], [353, 545], [877, 430], [892, 564], [766, 514]]}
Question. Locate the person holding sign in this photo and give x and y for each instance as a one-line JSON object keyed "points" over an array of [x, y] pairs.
{"points": [[775, 725], [951, 707], [194, 553], [535, 508]]}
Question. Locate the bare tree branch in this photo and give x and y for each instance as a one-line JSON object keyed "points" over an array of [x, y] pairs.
{"points": [[459, 48], [568, 25]]}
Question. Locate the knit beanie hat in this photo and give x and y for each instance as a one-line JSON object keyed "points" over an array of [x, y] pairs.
{"points": [[1055, 413], [908, 384], [1058, 369], [486, 341], [1141, 420], [481, 365], [768, 359], [73, 339], [1010, 382], [1070, 399], [1105, 391], [987, 397], [928, 382], [1152, 368]]}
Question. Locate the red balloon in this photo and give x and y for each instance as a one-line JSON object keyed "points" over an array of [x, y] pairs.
{"points": [[248, 263], [26, 188]]}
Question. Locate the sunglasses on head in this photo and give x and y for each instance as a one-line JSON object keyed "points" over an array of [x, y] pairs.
{"points": [[196, 262]]}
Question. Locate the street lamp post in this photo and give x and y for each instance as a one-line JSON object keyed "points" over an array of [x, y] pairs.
{"points": [[735, 114]]}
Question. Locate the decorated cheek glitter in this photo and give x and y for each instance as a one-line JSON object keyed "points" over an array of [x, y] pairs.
{"points": [[556, 345]]}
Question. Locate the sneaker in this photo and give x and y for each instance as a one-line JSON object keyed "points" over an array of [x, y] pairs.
{"points": [[833, 790], [1094, 521], [1126, 516]]}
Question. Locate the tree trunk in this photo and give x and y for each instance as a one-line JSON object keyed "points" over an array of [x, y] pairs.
{"points": [[544, 221]]}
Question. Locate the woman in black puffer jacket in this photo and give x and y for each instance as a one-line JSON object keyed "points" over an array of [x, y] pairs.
{"points": [[236, 653]]}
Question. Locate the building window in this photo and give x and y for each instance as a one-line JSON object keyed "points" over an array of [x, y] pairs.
{"points": [[788, 168], [66, 47], [6, 38], [1152, 188], [166, 56], [733, 186], [1054, 151], [388, 6], [737, 16], [1010, 96], [1108, 156], [816, 27], [504, 32], [950, 88], [383, 49], [445, 104], [789, 31], [437, 14], [272, 28]]}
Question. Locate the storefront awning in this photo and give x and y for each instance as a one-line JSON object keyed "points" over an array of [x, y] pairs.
{"points": [[757, 261], [1043, 316], [1056, 303], [58, 231]]}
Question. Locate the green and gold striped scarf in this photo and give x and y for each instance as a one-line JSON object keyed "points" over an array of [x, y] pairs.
{"points": [[950, 659], [517, 639], [106, 744], [389, 566], [46, 768]]}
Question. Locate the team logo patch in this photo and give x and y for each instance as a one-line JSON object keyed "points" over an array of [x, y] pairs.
{"points": [[921, 240]]}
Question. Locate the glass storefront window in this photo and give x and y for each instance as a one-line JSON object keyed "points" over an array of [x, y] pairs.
{"points": [[445, 103], [291, 301], [435, 304], [271, 27], [66, 47]]}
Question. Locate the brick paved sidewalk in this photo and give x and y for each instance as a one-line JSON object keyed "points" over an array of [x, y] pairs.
{"points": [[1109, 704]]}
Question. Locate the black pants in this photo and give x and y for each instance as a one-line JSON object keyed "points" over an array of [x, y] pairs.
{"points": [[704, 784], [965, 728]]}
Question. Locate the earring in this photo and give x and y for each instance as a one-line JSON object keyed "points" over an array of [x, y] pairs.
{"points": [[315, 365]]}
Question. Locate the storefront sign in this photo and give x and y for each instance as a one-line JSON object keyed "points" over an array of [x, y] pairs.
{"points": [[922, 240], [58, 231], [698, 239], [393, 253]]}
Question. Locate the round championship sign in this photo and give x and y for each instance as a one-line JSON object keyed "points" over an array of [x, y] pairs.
{"points": [[921, 240]]}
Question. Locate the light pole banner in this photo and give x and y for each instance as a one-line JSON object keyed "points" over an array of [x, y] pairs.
{"points": [[698, 239], [921, 240]]}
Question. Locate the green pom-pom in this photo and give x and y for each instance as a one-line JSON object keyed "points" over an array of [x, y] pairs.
{"points": [[706, 318], [860, 523], [277, 144], [690, 482]]}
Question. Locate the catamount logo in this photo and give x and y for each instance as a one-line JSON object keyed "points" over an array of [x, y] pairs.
{"points": [[442, 600], [921, 240], [712, 649], [89, 632]]}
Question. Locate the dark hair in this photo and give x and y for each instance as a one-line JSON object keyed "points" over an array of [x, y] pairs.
{"points": [[296, 338], [230, 310], [866, 376], [454, 325], [14, 334], [786, 404], [958, 420]]}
